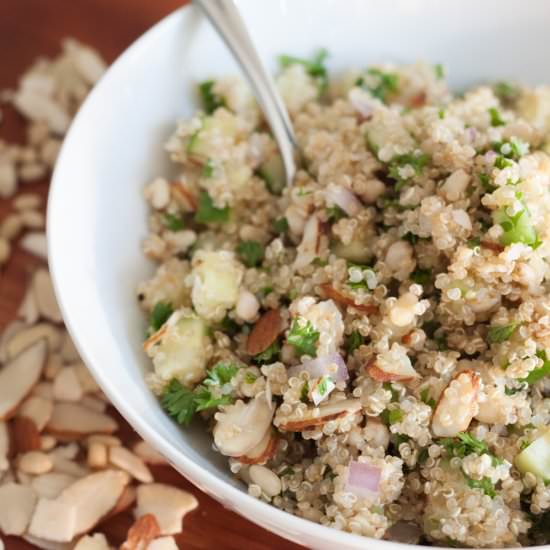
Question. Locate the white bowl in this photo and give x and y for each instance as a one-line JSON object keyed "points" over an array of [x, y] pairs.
{"points": [[97, 216]]}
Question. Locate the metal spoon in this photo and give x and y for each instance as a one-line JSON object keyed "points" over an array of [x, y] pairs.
{"points": [[226, 19]]}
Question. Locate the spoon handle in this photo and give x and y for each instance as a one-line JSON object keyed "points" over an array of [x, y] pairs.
{"points": [[225, 17]]}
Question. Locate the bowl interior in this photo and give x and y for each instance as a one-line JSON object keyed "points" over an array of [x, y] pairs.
{"points": [[97, 216]]}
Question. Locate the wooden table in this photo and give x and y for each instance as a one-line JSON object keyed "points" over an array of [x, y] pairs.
{"points": [[29, 28]]}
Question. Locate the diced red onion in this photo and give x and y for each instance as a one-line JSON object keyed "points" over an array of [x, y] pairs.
{"points": [[489, 157], [321, 366], [343, 198], [472, 134], [363, 479]]}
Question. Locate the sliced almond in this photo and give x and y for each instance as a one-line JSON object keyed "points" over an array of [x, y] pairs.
{"points": [[66, 385], [318, 416], [163, 543], [16, 509], [265, 332], [44, 390], [51, 485], [93, 542], [126, 500], [28, 310], [343, 299], [265, 450], [98, 455], [45, 297], [87, 382], [398, 372], [53, 365], [125, 460], [19, 376], [44, 544], [457, 405], [35, 243], [108, 440], [144, 530], [37, 409], [93, 497], [47, 442], [148, 454], [67, 466], [53, 520], [70, 420], [22, 478], [27, 337], [166, 503], [9, 332], [69, 451], [25, 435], [34, 463], [68, 351], [93, 403], [4, 446]]}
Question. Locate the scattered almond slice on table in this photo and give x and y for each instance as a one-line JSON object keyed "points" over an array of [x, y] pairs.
{"points": [[62, 469]]}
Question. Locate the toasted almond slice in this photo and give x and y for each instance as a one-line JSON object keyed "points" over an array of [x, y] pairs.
{"points": [[125, 460], [67, 466], [9, 332], [34, 463], [25, 435], [51, 485], [45, 297], [4, 446], [144, 530], [27, 337], [44, 390], [69, 451], [93, 542], [399, 373], [23, 478], [163, 543], [53, 520], [68, 351], [47, 544], [37, 409], [333, 410], [93, 497], [167, 504], [87, 382], [47, 442], [66, 385], [148, 454], [17, 505], [70, 420], [126, 500], [265, 332], [53, 365], [93, 403], [457, 405], [28, 310], [19, 376], [342, 299], [108, 440], [98, 455], [263, 451], [35, 243]]}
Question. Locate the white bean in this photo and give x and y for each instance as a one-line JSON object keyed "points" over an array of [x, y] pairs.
{"points": [[268, 481], [247, 305]]}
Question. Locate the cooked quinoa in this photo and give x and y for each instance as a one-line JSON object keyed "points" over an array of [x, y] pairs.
{"points": [[370, 347]]}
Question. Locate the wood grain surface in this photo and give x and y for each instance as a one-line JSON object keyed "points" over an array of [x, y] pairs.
{"points": [[29, 28]]}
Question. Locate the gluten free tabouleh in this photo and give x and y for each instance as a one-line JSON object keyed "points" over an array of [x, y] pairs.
{"points": [[370, 347]]}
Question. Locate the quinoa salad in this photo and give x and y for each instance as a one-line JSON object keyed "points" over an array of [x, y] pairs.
{"points": [[369, 347]]}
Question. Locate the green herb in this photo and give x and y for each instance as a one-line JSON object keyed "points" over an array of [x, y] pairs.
{"points": [[208, 213], [463, 444], [439, 71], [539, 373], [335, 213], [204, 399], [410, 238], [398, 439], [229, 326], [314, 67], [303, 337], [208, 169], [251, 253], [304, 392], [172, 222], [288, 471], [502, 162], [386, 84], [429, 327], [269, 354], [159, 315], [280, 225], [425, 397], [318, 262], [485, 484], [513, 391], [441, 342], [423, 455], [441, 113], [322, 386], [266, 290], [474, 242], [524, 445], [395, 416], [220, 374], [250, 378], [179, 402], [513, 148], [210, 100], [394, 393], [517, 228], [485, 181], [496, 119], [418, 161], [506, 92], [501, 333], [421, 276], [353, 341]]}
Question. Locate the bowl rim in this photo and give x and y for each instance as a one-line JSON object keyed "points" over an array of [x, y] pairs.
{"points": [[265, 515]]}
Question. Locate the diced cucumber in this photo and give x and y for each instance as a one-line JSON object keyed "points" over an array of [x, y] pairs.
{"points": [[356, 251], [272, 171], [536, 457]]}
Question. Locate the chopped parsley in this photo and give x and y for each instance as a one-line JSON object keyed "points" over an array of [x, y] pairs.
{"points": [[304, 392], [314, 67], [173, 222], [439, 71], [501, 333], [385, 84], [205, 400], [464, 444], [485, 181], [269, 354], [485, 484], [210, 100], [159, 315], [220, 374], [474, 242], [410, 238], [502, 162], [506, 92], [539, 373], [335, 213], [179, 402], [280, 225], [441, 113], [421, 276], [208, 169], [250, 378], [417, 161], [251, 253], [353, 341], [288, 471], [425, 397], [229, 326], [391, 416], [518, 227], [208, 213], [265, 291], [303, 337], [513, 148], [496, 118]]}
